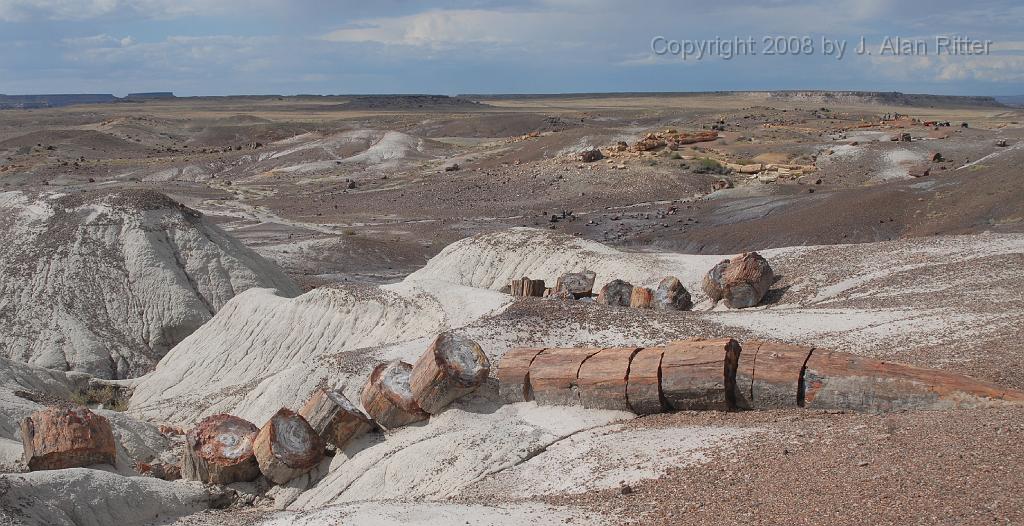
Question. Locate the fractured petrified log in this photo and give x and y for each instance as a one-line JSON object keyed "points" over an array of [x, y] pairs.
{"points": [[387, 397], [575, 285], [834, 380], [746, 280], [61, 437], [514, 375], [713, 281], [602, 379], [616, 293], [287, 446], [335, 418], [643, 388], [218, 450], [770, 375], [700, 375], [671, 295], [451, 368], [641, 298], [526, 287], [554, 375]]}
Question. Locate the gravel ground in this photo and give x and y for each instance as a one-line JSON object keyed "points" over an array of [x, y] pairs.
{"points": [[947, 467]]}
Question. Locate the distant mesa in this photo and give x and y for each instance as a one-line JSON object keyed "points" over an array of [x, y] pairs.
{"points": [[69, 99]]}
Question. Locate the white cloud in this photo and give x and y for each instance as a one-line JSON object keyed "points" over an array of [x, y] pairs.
{"points": [[444, 28], [23, 10]]}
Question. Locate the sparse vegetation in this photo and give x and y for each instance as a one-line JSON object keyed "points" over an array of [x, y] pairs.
{"points": [[707, 165], [108, 396]]}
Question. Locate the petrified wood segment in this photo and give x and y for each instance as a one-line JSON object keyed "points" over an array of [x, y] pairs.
{"points": [[334, 418], [712, 284], [602, 379], [526, 287], [219, 450], [554, 375], [451, 368], [770, 375], [671, 295], [643, 389], [641, 298], [616, 293], [836, 380], [514, 375], [62, 437], [700, 375], [746, 280], [387, 397], [287, 447], [575, 285]]}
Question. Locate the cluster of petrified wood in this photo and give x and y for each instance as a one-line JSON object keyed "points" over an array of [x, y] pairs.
{"points": [[223, 448], [740, 282], [723, 375]]}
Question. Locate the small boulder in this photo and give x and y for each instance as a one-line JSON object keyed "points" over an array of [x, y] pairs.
{"points": [[592, 155], [672, 295]]}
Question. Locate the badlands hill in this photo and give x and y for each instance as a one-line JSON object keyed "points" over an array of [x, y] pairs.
{"points": [[106, 284]]}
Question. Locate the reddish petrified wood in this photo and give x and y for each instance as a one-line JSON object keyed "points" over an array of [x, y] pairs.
{"points": [[643, 389], [835, 380], [554, 375], [712, 284], [514, 375], [387, 397], [616, 293], [746, 280], [218, 450], [641, 298], [602, 379], [451, 368], [61, 437], [337, 420], [770, 375], [700, 375], [671, 295], [527, 287], [287, 447]]}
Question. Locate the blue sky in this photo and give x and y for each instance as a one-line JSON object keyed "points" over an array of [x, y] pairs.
{"points": [[195, 47]]}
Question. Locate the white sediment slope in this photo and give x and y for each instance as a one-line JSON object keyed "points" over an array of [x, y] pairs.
{"points": [[107, 284], [90, 497]]}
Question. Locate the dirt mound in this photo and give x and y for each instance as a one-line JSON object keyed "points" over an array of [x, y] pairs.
{"points": [[108, 283]]}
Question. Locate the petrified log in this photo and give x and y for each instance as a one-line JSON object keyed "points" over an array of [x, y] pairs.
{"points": [[746, 280], [451, 368], [641, 298], [287, 446], [834, 380], [672, 295], [713, 281], [700, 374], [616, 293], [575, 285], [554, 375], [61, 437], [602, 379], [387, 397], [526, 287], [514, 375], [159, 470], [219, 451], [770, 375], [334, 418], [643, 388]]}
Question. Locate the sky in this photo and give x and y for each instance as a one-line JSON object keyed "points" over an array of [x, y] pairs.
{"points": [[224, 47]]}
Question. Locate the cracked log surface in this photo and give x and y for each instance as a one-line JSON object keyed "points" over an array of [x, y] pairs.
{"points": [[287, 447], [334, 418], [719, 374], [387, 396], [219, 450], [451, 368]]}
